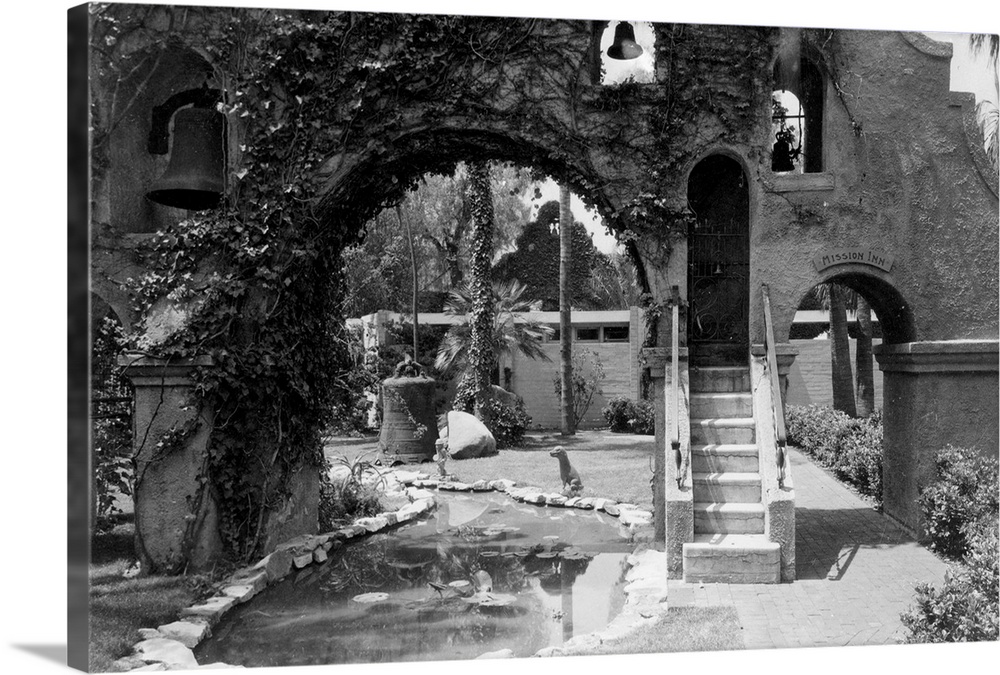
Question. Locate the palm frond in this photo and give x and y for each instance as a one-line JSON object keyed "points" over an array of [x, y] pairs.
{"points": [[988, 117]]}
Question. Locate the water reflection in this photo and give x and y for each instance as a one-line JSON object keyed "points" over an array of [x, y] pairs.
{"points": [[483, 573]]}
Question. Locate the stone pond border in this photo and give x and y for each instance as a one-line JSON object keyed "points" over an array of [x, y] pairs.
{"points": [[171, 646]]}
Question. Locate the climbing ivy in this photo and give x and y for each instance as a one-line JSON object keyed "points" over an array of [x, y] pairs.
{"points": [[323, 107]]}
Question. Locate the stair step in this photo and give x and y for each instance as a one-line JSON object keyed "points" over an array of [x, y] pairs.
{"points": [[719, 379], [724, 422], [716, 458], [740, 487], [732, 558], [728, 518], [721, 404], [723, 431]]}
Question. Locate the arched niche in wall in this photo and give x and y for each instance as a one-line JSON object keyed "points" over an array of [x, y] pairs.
{"points": [[797, 116], [613, 64]]}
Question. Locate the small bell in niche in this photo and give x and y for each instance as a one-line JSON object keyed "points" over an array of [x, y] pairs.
{"points": [[195, 176], [624, 47], [783, 155]]}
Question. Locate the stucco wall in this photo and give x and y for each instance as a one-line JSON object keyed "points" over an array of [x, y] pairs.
{"points": [[533, 381], [936, 394], [899, 175]]}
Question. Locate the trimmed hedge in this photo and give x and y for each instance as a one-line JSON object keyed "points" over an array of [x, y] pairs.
{"points": [[960, 511], [626, 416], [851, 448], [963, 497]]}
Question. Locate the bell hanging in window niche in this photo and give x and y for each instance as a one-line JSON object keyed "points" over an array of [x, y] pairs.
{"points": [[624, 47], [783, 155], [195, 177]]}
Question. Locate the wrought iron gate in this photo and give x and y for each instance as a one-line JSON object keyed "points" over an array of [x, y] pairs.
{"points": [[719, 263]]}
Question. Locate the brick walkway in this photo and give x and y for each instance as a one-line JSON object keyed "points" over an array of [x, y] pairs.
{"points": [[856, 571]]}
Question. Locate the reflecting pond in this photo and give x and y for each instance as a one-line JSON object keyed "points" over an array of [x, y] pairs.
{"points": [[482, 573]]}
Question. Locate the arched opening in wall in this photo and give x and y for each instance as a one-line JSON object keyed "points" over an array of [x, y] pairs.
{"points": [[836, 325], [718, 262], [797, 116], [423, 239], [626, 52], [111, 407]]}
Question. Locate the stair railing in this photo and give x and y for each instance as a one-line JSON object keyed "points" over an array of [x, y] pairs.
{"points": [[675, 434], [772, 368]]}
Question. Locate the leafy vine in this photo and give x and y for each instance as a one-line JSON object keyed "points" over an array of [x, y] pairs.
{"points": [[335, 115]]}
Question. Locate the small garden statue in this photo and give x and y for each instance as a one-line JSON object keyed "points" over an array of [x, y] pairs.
{"points": [[441, 455], [572, 485]]}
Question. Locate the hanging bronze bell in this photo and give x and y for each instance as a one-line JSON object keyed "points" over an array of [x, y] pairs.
{"points": [[195, 177], [624, 48], [783, 156]]}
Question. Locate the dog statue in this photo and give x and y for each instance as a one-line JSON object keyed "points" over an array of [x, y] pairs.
{"points": [[572, 485]]}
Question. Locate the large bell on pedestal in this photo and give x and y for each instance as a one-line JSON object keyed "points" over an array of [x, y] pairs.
{"points": [[624, 48], [195, 177]]}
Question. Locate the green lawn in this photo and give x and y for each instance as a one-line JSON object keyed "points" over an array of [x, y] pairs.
{"points": [[614, 466], [119, 607]]}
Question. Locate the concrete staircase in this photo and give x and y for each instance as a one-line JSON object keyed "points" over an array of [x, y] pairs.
{"points": [[729, 541]]}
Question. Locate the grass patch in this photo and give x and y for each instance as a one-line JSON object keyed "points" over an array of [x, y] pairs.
{"points": [[682, 629], [614, 466], [119, 607]]}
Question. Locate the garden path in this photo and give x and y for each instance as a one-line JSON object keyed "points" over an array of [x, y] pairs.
{"points": [[856, 572]]}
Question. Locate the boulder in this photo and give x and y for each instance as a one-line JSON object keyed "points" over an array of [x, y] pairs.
{"points": [[468, 437]]}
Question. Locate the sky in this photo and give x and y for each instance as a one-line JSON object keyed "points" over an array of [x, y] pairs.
{"points": [[34, 283]]}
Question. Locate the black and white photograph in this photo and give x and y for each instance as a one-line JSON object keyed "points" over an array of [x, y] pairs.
{"points": [[406, 335]]}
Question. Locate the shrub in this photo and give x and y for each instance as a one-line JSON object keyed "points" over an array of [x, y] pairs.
{"points": [[857, 456], [816, 430], [851, 448], [644, 421], [966, 607], [964, 493], [587, 379], [618, 412], [624, 415], [960, 510], [508, 421], [355, 495]]}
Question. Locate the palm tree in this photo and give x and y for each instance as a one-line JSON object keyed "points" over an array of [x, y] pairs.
{"points": [[511, 332], [840, 352], [836, 299], [987, 112], [864, 387]]}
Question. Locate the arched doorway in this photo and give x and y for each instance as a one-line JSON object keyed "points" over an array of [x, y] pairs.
{"points": [[718, 263]]}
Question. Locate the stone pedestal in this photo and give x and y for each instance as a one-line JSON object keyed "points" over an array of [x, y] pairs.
{"points": [[176, 519], [784, 355], [934, 394], [673, 509]]}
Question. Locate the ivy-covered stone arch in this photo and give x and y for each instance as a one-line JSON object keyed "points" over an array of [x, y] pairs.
{"points": [[368, 182]]}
